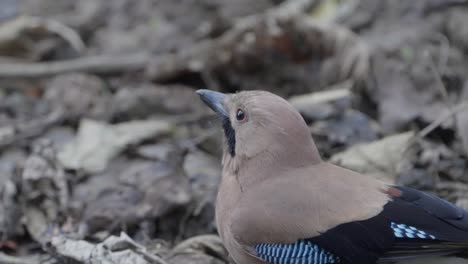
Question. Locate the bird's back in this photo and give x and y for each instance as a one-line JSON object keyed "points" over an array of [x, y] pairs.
{"points": [[307, 198]]}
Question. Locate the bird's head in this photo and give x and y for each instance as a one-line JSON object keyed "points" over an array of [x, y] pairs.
{"points": [[261, 128]]}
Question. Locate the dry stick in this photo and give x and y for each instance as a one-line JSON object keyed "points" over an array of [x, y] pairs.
{"points": [[95, 64], [168, 62], [5, 259], [12, 29], [436, 123], [58, 28], [139, 249], [428, 129], [444, 49]]}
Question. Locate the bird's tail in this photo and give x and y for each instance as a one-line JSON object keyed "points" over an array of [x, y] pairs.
{"points": [[463, 254], [415, 252]]}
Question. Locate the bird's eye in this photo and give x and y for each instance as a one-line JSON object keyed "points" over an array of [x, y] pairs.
{"points": [[240, 115]]}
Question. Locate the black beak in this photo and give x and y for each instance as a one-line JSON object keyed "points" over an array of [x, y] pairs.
{"points": [[215, 100]]}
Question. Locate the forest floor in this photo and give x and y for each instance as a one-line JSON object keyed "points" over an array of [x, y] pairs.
{"points": [[108, 156]]}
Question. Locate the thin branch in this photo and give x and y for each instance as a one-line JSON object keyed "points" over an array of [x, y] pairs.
{"points": [[163, 66], [6, 259], [436, 123], [139, 249], [13, 29], [67, 33], [439, 121], [429, 128], [95, 64]]}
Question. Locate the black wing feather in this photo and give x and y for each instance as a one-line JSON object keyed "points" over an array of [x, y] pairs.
{"points": [[372, 240], [436, 207], [429, 213]]}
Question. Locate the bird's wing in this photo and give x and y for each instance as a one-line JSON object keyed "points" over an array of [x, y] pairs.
{"points": [[424, 225], [283, 226], [411, 225]]}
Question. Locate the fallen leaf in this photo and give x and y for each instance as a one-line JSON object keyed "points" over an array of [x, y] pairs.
{"points": [[381, 157], [113, 250], [97, 143], [45, 194]]}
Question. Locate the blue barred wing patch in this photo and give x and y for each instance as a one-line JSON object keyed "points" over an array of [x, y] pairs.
{"points": [[406, 231], [301, 252]]}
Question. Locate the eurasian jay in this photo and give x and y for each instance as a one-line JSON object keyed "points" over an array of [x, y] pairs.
{"points": [[279, 203]]}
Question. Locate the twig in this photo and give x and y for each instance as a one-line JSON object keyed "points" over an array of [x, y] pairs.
{"points": [[452, 111], [6, 259], [437, 71], [95, 64], [436, 123], [166, 66], [60, 29], [12, 30], [429, 128], [154, 259], [439, 121]]}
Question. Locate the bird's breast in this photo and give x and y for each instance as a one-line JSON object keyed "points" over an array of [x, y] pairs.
{"points": [[226, 201]]}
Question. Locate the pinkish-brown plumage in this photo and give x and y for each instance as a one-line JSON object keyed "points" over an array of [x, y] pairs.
{"points": [[275, 189]]}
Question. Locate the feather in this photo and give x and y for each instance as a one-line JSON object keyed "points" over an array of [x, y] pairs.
{"points": [[412, 225], [302, 251]]}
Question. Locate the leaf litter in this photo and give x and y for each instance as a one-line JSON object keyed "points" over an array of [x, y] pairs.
{"points": [[107, 155]]}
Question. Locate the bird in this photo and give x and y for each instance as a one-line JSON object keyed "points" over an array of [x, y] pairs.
{"points": [[278, 202]]}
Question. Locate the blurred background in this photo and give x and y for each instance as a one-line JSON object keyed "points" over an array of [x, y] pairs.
{"points": [[108, 156]]}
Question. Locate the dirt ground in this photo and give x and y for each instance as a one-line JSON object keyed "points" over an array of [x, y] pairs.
{"points": [[108, 156]]}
